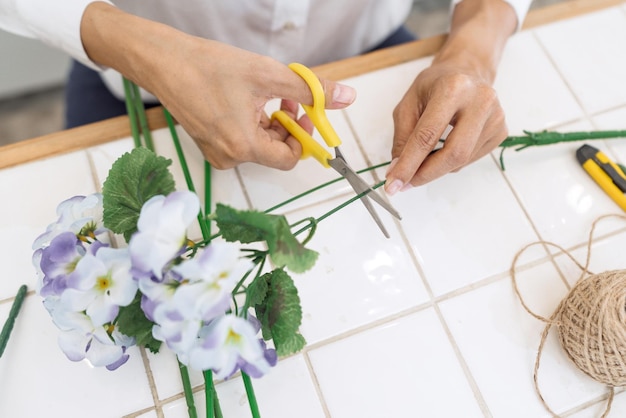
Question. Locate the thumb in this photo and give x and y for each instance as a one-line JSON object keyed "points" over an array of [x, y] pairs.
{"points": [[291, 86], [337, 95]]}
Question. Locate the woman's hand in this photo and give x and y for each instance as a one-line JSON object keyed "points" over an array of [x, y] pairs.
{"points": [[455, 90], [215, 91]]}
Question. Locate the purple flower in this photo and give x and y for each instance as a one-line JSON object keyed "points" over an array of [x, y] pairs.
{"points": [[57, 262], [81, 215], [227, 344], [208, 280]]}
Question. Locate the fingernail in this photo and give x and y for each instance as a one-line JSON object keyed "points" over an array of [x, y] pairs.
{"points": [[406, 187], [343, 94], [394, 187], [391, 166]]}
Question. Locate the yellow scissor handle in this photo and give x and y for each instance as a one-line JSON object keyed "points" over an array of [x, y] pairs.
{"points": [[310, 147], [317, 112]]}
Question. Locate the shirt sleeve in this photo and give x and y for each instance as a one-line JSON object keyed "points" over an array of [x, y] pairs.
{"points": [[520, 6], [55, 23]]}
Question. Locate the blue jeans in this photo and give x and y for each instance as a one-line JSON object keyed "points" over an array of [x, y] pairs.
{"points": [[88, 100]]}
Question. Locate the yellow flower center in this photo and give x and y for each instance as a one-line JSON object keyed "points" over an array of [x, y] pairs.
{"points": [[233, 338], [103, 283]]}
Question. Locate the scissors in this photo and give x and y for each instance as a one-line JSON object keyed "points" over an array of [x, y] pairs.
{"points": [[311, 148]]}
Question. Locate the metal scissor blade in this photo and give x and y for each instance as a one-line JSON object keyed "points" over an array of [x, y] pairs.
{"points": [[359, 186]]}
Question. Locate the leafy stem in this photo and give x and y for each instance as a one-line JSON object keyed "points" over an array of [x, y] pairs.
{"points": [[552, 137]]}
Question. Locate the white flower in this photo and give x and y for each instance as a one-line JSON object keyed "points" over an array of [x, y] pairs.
{"points": [[193, 293], [208, 280], [100, 284], [77, 214], [179, 333], [80, 339], [162, 231], [227, 344]]}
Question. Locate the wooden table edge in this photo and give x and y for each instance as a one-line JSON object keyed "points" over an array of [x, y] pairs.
{"points": [[116, 128]]}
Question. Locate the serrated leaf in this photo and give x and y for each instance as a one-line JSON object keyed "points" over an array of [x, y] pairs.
{"points": [[280, 313], [253, 226], [133, 179], [285, 250], [256, 291], [132, 321], [245, 226], [290, 344]]}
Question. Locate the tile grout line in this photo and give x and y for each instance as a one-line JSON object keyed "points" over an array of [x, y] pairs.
{"points": [[588, 116], [552, 61], [244, 189], [94, 172], [480, 400], [582, 407], [314, 379], [152, 383], [524, 210]]}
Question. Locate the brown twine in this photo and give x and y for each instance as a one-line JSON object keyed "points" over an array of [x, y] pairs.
{"points": [[591, 322]]}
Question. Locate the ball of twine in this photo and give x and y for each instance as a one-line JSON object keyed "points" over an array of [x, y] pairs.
{"points": [[591, 323]]}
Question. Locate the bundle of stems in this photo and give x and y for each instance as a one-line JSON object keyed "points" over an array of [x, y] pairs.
{"points": [[531, 139]]}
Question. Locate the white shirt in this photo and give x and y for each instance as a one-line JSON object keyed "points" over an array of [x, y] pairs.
{"points": [[308, 31]]}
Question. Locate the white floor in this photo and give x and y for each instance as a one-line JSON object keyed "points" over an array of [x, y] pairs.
{"points": [[425, 324]]}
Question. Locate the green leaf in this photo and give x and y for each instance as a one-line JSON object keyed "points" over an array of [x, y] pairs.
{"points": [[245, 226], [133, 179], [286, 250], [132, 321], [256, 291], [280, 313], [253, 226], [292, 343]]}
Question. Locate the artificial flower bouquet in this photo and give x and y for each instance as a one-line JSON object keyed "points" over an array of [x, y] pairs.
{"points": [[118, 269]]}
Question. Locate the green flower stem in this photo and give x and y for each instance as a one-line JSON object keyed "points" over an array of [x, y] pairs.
{"points": [[321, 186], [132, 116], [218, 409], [208, 393], [259, 269], [312, 224], [213, 409], [212, 402], [10, 322], [141, 114], [254, 407], [208, 200], [191, 406], [186, 172], [338, 208], [179, 150], [553, 137]]}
